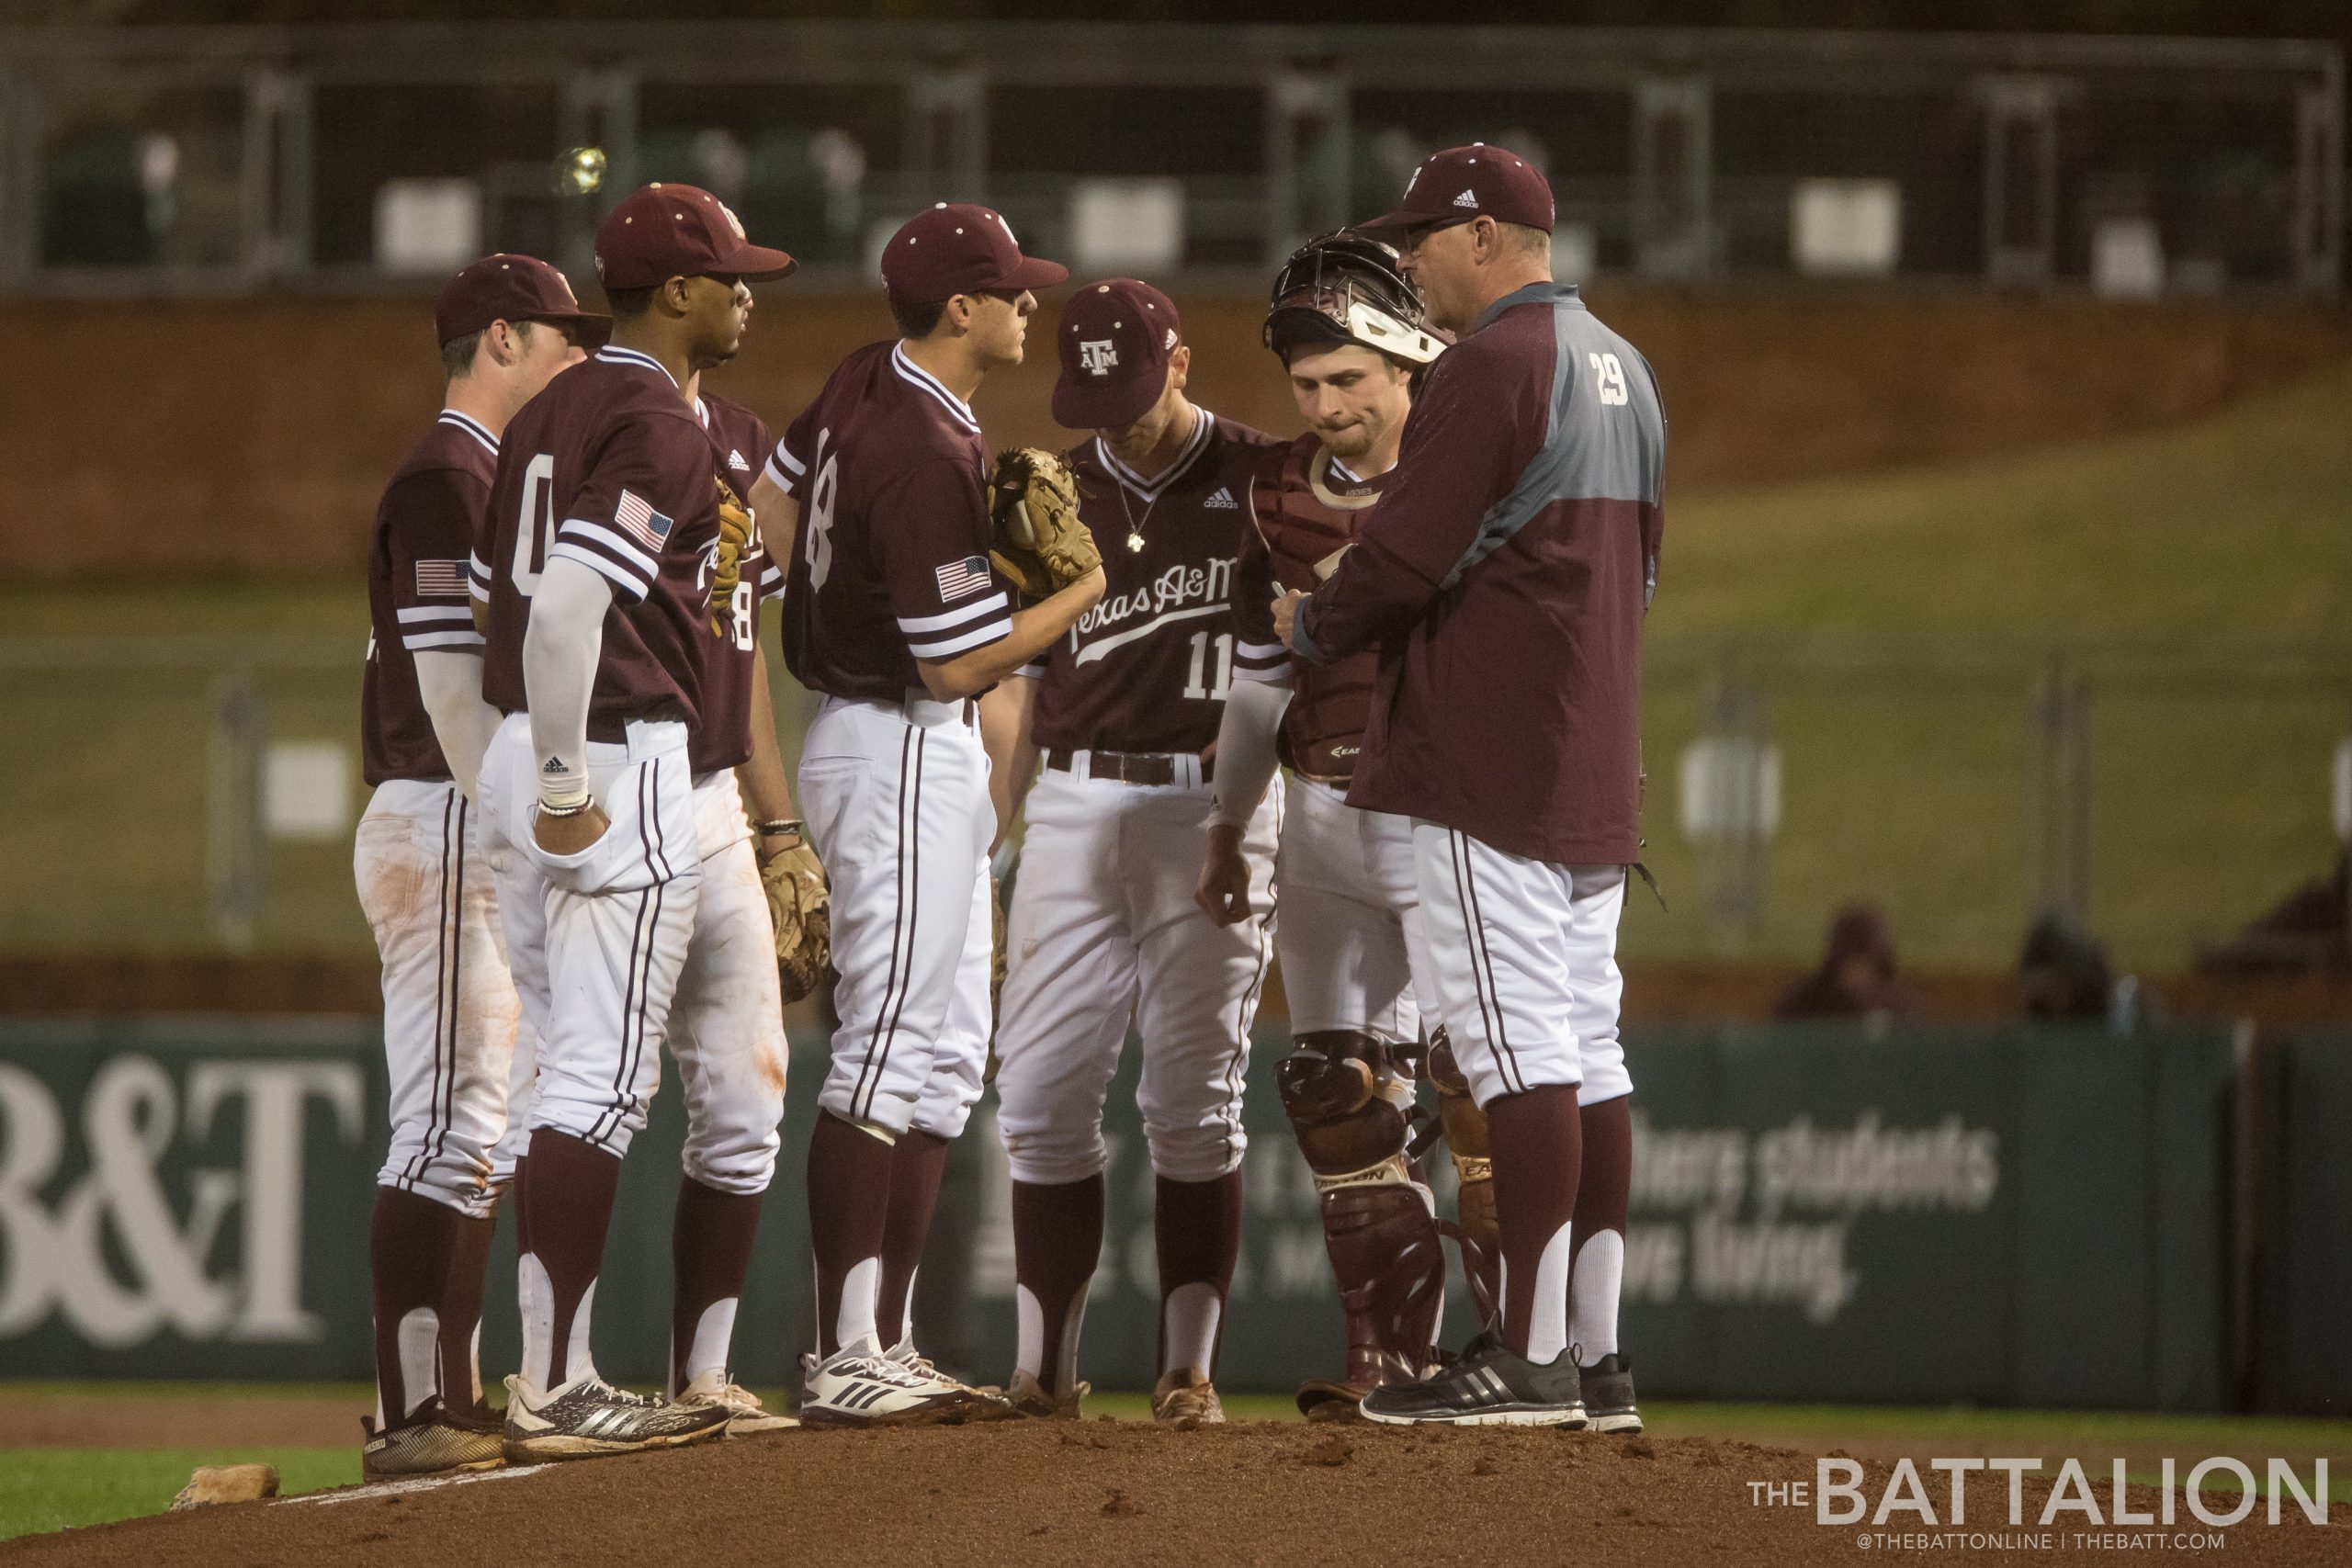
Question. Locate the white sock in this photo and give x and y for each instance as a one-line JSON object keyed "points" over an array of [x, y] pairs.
{"points": [[1188, 1321], [1593, 1289], [535, 1295], [420, 1343], [714, 1337], [577, 1362], [1547, 1323], [1029, 1355], [861, 1294]]}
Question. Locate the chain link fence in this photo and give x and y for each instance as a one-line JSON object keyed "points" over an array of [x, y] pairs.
{"points": [[199, 794]]}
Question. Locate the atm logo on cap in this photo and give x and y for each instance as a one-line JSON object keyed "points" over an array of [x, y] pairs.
{"points": [[1097, 359]]}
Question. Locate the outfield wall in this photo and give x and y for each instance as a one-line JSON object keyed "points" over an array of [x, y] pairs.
{"points": [[1994, 1215], [165, 437]]}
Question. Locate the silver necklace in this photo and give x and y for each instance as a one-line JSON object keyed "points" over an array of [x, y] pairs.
{"points": [[1135, 523]]}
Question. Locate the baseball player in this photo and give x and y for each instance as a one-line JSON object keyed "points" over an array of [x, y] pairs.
{"points": [[604, 534], [728, 1016], [1102, 927], [507, 325], [893, 613], [1349, 330], [1504, 576]]}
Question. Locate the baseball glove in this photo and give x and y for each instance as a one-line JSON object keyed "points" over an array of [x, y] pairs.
{"points": [[1039, 545], [801, 908], [727, 567]]}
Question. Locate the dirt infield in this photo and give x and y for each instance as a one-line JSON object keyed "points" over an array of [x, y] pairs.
{"points": [[1048, 1494]]}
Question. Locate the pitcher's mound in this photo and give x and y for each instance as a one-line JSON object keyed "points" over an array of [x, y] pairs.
{"points": [[1043, 1494]]}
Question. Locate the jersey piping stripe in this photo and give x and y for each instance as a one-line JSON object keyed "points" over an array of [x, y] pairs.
{"points": [[791, 465], [961, 613], [917, 375], [633, 587], [782, 480], [435, 613], [979, 636], [1203, 426], [473, 427], [419, 641], [611, 354], [580, 530]]}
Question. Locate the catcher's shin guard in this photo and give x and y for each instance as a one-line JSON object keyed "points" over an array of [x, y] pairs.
{"points": [[1465, 1139], [1348, 1103]]}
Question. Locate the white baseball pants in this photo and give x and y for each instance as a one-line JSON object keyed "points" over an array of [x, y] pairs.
{"points": [[727, 1025], [1524, 954], [450, 1015], [897, 800], [1349, 939], [600, 936], [1104, 927]]}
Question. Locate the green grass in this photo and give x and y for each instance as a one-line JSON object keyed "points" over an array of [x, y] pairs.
{"points": [[52, 1489], [1904, 783]]}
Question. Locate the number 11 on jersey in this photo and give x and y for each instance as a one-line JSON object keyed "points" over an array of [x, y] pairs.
{"points": [[1212, 690]]}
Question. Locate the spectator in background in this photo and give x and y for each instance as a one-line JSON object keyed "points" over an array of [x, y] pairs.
{"points": [[1856, 977], [2062, 972], [2310, 929]]}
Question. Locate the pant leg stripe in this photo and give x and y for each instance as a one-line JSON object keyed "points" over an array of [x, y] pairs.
{"points": [[641, 953], [1487, 961], [1248, 1008], [454, 933], [1482, 977], [417, 1162], [899, 977]]}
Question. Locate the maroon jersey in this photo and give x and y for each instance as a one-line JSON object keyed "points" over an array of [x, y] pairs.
{"points": [[1305, 506], [608, 467], [892, 557], [722, 739], [1146, 669], [416, 590]]}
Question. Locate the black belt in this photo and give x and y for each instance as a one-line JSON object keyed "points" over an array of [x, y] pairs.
{"points": [[1126, 767]]}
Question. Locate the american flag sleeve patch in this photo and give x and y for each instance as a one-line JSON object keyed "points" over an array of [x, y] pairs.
{"points": [[962, 578], [440, 579], [636, 517]]}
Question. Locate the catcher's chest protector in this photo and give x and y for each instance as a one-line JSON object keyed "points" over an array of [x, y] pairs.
{"points": [[1323, 729]]}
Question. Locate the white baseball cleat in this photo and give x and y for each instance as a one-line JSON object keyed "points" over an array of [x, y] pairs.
{"points": [[715, 1391], [588, 1416], [859, 1386]]}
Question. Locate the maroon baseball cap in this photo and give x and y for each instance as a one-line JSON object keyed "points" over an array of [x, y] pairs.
{"points": [[1115, 338], [661, 231], [960, 248], [506, 287], [1477, 181]]}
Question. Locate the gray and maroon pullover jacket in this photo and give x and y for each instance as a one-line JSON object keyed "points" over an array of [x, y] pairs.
{"points": [[1504, 576]]}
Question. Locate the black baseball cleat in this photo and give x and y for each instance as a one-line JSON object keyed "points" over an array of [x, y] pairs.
{"points": [[587, 1417], [1488, 1387], [1608, 1389]]}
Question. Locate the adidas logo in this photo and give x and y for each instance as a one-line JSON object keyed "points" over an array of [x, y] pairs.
{"points": [[1466, 199], [735, 460], [1222, 501], [554, 765]]}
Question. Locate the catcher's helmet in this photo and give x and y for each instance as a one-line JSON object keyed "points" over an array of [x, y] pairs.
{"points": [[1347, 287]]}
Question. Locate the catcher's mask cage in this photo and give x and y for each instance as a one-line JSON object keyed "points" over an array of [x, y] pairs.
{"points": [[1344, 287]]}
